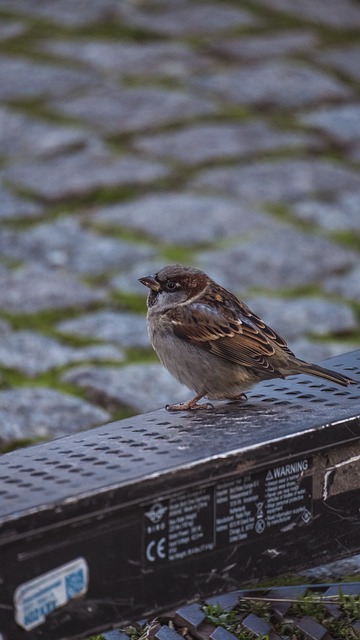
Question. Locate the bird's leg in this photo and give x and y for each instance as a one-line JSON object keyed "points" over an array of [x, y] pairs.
{"points": [[190, 404]]}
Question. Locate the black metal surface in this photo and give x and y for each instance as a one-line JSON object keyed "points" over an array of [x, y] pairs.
{"points": [[104, 496]]}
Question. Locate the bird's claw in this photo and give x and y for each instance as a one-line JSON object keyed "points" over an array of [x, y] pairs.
{"points": [[242, 397]]}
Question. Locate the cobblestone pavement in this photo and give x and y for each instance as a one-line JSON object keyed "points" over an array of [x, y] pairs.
{"points": [[138, 133]]}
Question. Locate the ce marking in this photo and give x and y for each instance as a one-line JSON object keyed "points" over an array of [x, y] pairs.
{"points": [[156, 550]]}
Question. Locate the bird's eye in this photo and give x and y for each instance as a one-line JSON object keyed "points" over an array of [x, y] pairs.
{"points": [[170, 285]]}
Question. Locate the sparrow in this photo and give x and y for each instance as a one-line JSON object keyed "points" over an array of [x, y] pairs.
{"points": [[212, 342]]}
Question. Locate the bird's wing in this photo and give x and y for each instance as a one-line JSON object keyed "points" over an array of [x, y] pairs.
{"points": [[231, 332]]}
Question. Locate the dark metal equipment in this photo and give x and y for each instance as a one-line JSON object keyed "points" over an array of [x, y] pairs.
{"points": [[142, 515]]}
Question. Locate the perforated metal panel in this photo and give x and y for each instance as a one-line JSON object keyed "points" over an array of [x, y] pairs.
{"points": [[110, 496]]}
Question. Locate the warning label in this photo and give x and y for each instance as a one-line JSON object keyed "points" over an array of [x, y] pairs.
{"points": [[279, 498], [286, 498], [234, 510]]}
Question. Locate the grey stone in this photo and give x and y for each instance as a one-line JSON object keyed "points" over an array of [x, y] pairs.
{"points": [[131, 109], [12, 207], [68, 13], [124, 328], [81, 173], [310, 628], [127, 281], [23, 136], [346, 59], [143, 387], [293, 318], [10, 30], [35, 412], [327, 12], [166, 633], [275, 181], [266, 46], [355, 152], [33, 353], [4, 326], [185, 218], [207, 142], [21, 78], [191, 19], [258, 626], [167, 59], [317, 351], [277, 259], [32, 289], [191, 615], [347, 286], [341, 214], [340, 123], [334, 570], [274, 83], [64, 244]]}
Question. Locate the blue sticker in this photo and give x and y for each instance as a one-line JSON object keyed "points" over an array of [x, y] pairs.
{"points": [[36, 599], [75, 583]]}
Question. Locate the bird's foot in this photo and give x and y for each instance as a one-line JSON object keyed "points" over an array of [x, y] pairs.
{"points": [[242, 397], [187, 406], [190, 405]]}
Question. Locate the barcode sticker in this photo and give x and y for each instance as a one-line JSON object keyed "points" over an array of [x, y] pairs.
{"points": [[37, 598]]}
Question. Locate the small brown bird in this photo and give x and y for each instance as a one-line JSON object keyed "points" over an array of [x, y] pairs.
{"points": [[210, 340]]}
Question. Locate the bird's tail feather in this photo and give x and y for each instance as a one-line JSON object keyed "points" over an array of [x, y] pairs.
{"points": [[321, 372]]}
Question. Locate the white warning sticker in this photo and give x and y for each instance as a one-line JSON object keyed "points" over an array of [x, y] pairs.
{"points": [[37, 598]]}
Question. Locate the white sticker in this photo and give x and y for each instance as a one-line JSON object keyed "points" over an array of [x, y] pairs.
{"points": [[37, 598]]}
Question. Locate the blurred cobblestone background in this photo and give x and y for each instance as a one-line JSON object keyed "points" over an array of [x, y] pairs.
{"points": [[138, 133]]}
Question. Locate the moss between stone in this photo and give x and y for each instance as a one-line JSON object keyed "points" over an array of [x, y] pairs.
{"points": [[46, 319], [37, 108], [141, 356], [20, 444], [348, 238], [121, 233], [129, 302]]}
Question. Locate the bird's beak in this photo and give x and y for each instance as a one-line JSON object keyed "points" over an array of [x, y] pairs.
{"points": [[150, 282]]}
